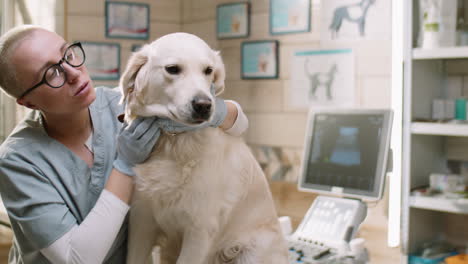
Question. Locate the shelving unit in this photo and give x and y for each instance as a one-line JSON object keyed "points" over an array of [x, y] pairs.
{"points": [[440, 203], [441, 53], [455, 130], [425, 144]]}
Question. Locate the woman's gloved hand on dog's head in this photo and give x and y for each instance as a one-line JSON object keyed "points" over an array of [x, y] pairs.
{"points": [[135, 142], [219, 115], [220, 109]]}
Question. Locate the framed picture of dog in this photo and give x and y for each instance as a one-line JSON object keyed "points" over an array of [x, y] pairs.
{"points": [[127, 20], [102, 60], [355, 20], [233, 20], [321, 78], [259, 59], [289, 16]]}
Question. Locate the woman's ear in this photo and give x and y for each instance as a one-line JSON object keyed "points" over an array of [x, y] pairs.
{"points": [[219, 74]]}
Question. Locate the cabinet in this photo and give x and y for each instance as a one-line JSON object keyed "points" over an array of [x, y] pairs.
{"points": [[426, 145]]}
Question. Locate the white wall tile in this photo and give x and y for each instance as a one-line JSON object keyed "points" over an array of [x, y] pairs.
{"points": [[368, 65], [165, 10], [277, 129], [159, 29], [231, 58], [86, 7], [86, 27], [203, 29], [376, 92], [161, 10], [260, 6], [256, 96], [196, 11]]}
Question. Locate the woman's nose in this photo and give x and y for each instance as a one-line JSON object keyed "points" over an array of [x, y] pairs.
{"points": [[72, 72]]}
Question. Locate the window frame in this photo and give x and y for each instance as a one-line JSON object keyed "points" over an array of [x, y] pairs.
{"points": [[7, 104]]}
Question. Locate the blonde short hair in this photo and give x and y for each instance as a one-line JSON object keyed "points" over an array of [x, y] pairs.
{"points": [[8, 43]]}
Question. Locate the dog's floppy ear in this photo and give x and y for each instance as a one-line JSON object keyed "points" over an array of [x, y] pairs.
{"points": [[127, 82], [219, 74]]}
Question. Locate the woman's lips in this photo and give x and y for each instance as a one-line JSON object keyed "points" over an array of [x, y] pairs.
{"points": [[82, 89]]}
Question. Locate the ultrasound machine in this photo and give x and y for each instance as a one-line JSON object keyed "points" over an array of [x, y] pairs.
{"points": [[346, 157]]}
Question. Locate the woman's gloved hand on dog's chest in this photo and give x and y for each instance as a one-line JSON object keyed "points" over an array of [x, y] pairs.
{"points": [[135, 142]]}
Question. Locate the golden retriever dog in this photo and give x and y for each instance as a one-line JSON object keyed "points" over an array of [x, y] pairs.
{"points": [[201, 196]]}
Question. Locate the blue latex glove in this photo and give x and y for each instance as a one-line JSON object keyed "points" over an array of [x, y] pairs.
{"points": [[135, 143], [220, 109]]}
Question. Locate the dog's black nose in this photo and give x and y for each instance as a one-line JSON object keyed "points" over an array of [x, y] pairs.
{"points": [[201, 105]]}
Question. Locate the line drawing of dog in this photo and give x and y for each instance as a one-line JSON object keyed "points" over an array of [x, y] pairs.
{"points": [[201, 197], [355, 13], [319, 79]]}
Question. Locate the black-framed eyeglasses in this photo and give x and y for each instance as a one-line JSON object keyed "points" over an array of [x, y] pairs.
{"points": [[55, 75]]}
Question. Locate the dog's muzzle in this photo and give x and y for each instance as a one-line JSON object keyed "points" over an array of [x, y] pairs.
{"points": [[201, 108]]}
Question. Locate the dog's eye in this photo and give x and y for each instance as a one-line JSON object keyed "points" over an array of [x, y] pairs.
{"points": [[208, 70], [173, 69]]}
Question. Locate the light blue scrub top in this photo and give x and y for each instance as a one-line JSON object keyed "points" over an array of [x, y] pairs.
{"points": [[47, 189]]}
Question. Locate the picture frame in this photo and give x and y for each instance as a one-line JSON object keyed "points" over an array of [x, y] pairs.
{"points": [[289, 16], [102, 60], [127, 20], [321, 78], [259, 59], [136, 47], [233, 20]]}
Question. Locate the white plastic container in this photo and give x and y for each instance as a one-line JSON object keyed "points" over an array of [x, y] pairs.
{"points": [[438, 23]]}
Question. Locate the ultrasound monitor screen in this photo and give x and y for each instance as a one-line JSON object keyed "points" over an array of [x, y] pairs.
{"points": [[345, 151]]}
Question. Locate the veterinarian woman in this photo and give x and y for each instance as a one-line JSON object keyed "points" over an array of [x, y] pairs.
{"points": [[66, 170]]}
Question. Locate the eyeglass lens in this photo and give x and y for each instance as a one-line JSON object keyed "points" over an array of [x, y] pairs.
{"points": [[55, 75]]}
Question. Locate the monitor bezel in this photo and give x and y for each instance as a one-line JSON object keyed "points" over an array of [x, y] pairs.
{"points": [[381, 169]]}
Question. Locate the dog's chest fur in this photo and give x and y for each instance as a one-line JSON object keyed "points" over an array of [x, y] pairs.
{"points": [[195, 177]]}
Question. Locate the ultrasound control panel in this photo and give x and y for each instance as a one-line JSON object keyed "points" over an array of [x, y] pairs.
{"points": [[326, 230], [308, 251]]}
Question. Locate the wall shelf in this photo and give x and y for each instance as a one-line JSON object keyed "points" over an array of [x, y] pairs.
{"points": [[428, 146], [423, 128], [439, 203], [440, 53]]}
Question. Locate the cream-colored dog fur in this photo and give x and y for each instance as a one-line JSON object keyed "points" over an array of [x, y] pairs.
{"points": [[201, 196]]}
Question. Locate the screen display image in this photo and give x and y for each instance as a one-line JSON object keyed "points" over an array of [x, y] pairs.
{"points": [[346, 150]]}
